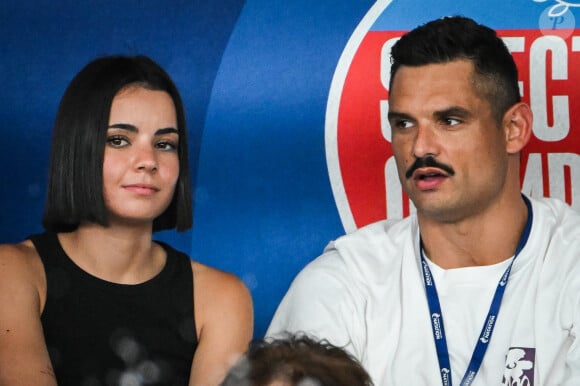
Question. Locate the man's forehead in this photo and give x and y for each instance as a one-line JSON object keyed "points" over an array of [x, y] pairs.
{"points": [[449, 68], [443, 79]]}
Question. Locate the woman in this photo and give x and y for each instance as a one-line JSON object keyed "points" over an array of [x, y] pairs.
{"points": [[94, 300]]}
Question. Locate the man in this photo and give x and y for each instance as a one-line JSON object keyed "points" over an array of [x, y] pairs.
{"points": [[482, 285]]}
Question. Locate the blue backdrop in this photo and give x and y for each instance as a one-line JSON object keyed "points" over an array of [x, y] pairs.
{"points": [[255, 77]]}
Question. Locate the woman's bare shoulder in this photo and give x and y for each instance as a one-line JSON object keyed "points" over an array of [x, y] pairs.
{"points": [[224, 319], [24, 359], [20, 263], [216, 290], [17, 254], [213, 279]]}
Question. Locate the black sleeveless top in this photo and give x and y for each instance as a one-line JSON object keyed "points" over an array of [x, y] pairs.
{"points": [[100, 333]]}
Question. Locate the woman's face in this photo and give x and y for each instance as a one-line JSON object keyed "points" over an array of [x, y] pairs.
{"points": [[141, 162]]}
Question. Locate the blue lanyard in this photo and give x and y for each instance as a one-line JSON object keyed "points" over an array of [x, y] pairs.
{"points": [[488, 325]]}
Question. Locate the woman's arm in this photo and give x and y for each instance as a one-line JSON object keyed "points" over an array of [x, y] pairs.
{"points": [[224, 319], [24, 359]]}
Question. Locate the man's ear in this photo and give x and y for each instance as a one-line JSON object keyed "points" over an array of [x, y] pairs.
{"points": [[517, 124]]}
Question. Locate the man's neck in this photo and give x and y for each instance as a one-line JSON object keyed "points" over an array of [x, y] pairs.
{"points": [[484, 239]]}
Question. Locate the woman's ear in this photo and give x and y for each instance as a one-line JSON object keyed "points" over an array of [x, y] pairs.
{"points": [[517, 123]]}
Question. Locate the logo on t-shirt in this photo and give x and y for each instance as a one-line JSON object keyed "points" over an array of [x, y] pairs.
{"points": [[519, 367]]}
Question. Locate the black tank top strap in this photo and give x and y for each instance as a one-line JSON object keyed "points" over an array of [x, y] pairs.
{"points": [[89, 322], [46, 245]]}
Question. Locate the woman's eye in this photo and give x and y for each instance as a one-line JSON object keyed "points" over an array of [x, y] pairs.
{"points": [[117, 141], [167, 145]]}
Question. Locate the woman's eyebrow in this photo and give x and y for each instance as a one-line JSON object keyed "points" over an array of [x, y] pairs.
{"points": [[167, 130], [133, 128], [124, 126]]}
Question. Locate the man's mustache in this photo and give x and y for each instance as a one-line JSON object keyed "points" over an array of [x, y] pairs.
{"points": [[428, 161]]}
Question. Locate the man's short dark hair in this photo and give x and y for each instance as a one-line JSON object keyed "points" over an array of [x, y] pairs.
{"points": [[295, 359], [455, 38], [75, 185]]}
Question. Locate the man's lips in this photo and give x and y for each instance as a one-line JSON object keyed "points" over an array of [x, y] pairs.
{"points": [[428, 167], [428, 178], [428, 173]]}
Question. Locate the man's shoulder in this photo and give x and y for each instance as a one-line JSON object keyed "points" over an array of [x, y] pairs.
{"points": [[555, 215], [378, 235], [373, 249], [555, 236]]}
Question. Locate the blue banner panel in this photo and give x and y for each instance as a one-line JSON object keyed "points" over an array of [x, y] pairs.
{"points": [[285, 102]]}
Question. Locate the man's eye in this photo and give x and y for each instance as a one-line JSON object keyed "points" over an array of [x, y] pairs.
{"points": [[451, 121], [117, 141], [403, 124]]}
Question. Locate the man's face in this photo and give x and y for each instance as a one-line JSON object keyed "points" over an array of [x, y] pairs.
{"points": [[450, 153]]}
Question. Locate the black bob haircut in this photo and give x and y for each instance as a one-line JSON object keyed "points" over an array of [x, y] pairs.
{"points": [[75, 184], [454, 38]]}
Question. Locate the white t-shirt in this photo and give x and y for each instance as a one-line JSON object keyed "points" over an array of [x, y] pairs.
{"points": [[366, 293]]}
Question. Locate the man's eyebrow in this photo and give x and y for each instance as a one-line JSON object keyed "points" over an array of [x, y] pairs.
{"points": [[133, 128], [454, 111], [397, 115]]}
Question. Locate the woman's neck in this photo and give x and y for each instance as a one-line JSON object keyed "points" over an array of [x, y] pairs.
{"points": [[125, 255]]}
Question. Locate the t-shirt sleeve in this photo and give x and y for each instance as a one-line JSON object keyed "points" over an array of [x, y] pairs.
{"points": [[324, 303], [572, 376]]}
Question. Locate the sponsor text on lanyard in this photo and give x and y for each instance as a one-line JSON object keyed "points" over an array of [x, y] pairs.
{"points": [[490, 321]]}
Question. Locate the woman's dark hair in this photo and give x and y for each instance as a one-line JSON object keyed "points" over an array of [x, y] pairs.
{"points": [[455, 38], [296, 359], [75, 184]]}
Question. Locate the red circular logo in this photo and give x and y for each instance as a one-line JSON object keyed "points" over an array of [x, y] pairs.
{"points": [[358, 149]]}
